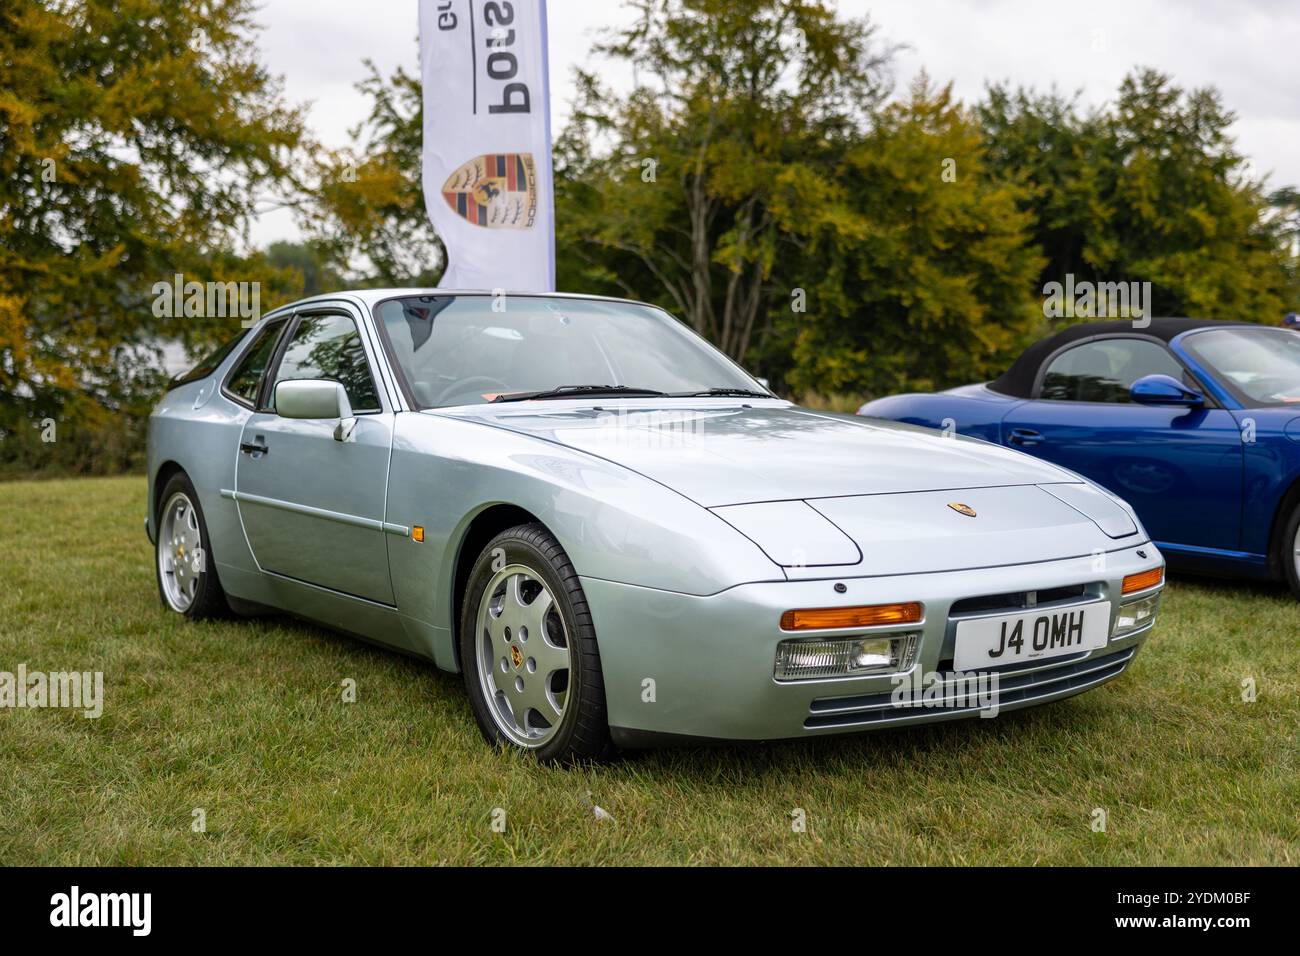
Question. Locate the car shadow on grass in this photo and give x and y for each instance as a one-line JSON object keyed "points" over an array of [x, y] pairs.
{"points": [[1229, 588], [915, 745], [348, 646], [960, 740]]}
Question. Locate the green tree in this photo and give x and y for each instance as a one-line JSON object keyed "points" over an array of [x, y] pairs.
{"points": [[135, 138], [307, 260], [1284, 219], [367, 214], [719, 162], [925, 279], [1040, 142], [1148, 189]]}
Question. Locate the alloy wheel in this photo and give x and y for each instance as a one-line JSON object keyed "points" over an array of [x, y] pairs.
{"points": [[523, 656], [180, 552]]}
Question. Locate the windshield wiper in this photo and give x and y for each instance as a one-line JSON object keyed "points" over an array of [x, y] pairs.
{"points": [[580, 391], [722, 393]]}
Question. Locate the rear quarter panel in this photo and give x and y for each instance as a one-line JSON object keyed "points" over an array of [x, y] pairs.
{"points": [[1271, 471], [971, 410], [199, 431]]}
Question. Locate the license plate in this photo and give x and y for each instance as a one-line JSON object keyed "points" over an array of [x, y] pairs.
{"points": [[1031, 635]]}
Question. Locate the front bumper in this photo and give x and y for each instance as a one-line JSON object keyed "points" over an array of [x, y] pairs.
{"points": [[683, 666]]}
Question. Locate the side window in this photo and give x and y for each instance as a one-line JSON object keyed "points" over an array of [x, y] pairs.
{"points": [[208, 364], [329, 346], [1103, 371], [246, 377]]}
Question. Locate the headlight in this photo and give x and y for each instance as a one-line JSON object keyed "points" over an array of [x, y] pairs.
{"points": [[1105, 510], [845, 657], [1135, 615], [792, 533]]}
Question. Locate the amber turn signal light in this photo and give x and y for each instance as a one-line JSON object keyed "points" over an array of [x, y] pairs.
{"points": [[823, 618], [417, 533], [1143, 580]]}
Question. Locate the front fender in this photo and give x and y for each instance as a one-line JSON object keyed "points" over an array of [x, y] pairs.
{"points": [[614, 524]]}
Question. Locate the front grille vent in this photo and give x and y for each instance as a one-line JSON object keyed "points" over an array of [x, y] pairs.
{"points": [[1020, 688], [1017, 600]]}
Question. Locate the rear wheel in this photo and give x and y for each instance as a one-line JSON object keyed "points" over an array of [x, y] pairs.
{"points": [[183, 561], [528, 650], [1290, 551]]}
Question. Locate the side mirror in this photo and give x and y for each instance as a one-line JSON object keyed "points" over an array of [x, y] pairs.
{"points": [[316, 398], [1164, 390]]}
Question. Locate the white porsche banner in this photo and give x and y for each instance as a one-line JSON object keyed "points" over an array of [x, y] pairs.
{"points": [[487, 141]]}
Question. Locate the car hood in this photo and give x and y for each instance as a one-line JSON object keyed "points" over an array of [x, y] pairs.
{"points": [[725, 453]]}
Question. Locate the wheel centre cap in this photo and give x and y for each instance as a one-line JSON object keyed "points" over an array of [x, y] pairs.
{"points": [[516, 656]]}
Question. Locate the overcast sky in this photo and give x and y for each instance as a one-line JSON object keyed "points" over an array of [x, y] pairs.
{"points": [[1249, 49]]}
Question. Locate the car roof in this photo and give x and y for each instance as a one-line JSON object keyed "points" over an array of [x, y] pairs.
{"points": [[369, 297], [1018, 381]]}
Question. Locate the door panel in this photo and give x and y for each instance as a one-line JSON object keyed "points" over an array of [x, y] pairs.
{"points": [[313, 507], [1179, 468]]}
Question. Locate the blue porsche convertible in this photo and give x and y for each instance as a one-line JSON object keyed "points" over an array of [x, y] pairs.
{"points": [[1195, 423]]}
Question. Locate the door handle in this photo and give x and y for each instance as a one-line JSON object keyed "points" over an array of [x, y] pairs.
{"points": [[1024, 437], [254, 448]]}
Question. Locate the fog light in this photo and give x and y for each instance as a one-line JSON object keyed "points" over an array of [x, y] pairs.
{"points": [[877, 652], [1135, 615], [845, 657]]}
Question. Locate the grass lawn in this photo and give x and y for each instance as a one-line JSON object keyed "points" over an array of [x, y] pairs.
{"points": [[245, 720]]}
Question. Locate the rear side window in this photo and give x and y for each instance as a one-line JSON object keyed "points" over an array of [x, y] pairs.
{"points": [[246, 377], [329, 347], [209, 364], [1103, 371]]}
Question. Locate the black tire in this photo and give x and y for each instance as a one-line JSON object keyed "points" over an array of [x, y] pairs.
{"points": [[1288, 547], [208, 599], [582, 730]]}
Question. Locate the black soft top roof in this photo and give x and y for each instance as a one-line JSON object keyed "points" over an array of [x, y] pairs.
{"points": [[1018, 380]]}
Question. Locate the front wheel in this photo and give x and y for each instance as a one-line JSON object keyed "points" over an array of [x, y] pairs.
{"points": [[528, 650], [1290, 551]]}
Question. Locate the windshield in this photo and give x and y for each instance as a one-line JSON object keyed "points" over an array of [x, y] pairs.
{"points": [[462, 350], [1261, 366]]}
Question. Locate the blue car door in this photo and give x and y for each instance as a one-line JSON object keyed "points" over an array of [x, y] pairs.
{"points": [[1179, 467]]}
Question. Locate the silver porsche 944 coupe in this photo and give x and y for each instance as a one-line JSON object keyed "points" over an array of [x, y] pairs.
{"points": [[618, 536]]}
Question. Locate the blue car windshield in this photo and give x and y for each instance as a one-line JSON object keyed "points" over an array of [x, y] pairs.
{"points": [[471, 349], [1261, 366]]}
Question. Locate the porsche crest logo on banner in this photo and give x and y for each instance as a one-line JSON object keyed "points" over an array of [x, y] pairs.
{"points": [[486, 163], [497, 191]]}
